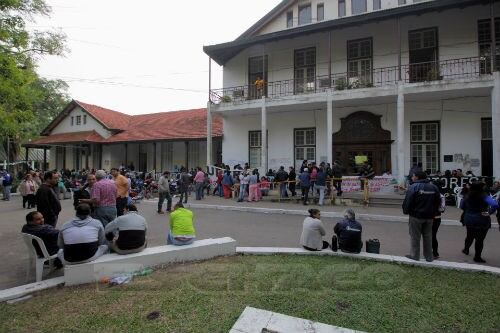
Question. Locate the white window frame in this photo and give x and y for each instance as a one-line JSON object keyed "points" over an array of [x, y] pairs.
{"points": [[78, 120], [255, 149], [343, 12], [289, 19], [304, 149], [319, 17], [361, 11], [308, 20], [425, 147]]}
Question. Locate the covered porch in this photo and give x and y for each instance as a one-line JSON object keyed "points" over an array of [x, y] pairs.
{"points": [[387, 124]]}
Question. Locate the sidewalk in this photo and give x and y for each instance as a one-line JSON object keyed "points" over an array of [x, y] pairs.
{"points": [[451, 216]]}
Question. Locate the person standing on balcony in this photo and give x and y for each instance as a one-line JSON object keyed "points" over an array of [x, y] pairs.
{"points": [[259, 87]]}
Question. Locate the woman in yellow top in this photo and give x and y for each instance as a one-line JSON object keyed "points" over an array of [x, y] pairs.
{"points": [[181, 226]]}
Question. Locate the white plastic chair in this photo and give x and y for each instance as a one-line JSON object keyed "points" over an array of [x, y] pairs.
{"points": [[34, 258], [458, 197]]}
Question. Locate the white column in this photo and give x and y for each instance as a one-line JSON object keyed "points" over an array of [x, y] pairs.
{"points": [[400, 141], [495, 123], [263, 127], [209, 133], [329, 128]]}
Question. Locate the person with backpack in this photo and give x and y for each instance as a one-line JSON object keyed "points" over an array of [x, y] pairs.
{"points": [[477, 207]]}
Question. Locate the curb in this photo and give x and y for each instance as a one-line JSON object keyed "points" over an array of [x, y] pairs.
{"points": [[465, 267], [362, 217], [16, 292]]}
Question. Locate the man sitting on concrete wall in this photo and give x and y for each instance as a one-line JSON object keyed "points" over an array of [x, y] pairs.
{"points": [[127, 233]]}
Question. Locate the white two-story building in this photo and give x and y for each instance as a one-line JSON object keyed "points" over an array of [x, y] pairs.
{"points": [[400, 82]]}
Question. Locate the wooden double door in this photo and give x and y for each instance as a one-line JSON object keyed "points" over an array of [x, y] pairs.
{"points": [[379, 157], [361, 134]]}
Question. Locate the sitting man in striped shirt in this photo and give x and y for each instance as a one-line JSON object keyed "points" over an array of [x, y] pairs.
{"points": [[127, 233]]}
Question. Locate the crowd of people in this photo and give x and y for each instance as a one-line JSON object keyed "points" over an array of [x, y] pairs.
{"points": [[424, 204], [105, 218], [315, 182]]}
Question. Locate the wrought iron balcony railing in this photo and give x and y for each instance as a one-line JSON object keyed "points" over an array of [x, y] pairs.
{"points": [[378, 77]]}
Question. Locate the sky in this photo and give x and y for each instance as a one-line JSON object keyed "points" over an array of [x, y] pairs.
{"points": [[143, 56]]}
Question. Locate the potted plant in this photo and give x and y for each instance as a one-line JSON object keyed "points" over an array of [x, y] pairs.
{"points": [[226, 99], [341, 84]]}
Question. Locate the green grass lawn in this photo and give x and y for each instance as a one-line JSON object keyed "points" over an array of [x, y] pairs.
{"points": [[209, 296]]}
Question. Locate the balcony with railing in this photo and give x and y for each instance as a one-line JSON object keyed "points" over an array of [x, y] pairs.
{"points": [[462, 68]]}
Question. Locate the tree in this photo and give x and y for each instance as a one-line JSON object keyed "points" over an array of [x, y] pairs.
{"points": [[26, 101]]}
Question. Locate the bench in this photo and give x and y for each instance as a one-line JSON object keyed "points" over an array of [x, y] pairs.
{"points": [[114, 264]]}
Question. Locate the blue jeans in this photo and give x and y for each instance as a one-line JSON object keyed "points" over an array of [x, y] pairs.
{"points": [[199, 191], [161, 199], [243, 190], [105, 214], [321, 189], [184, 194], [283, 192], [172, 241], [6, 192]]}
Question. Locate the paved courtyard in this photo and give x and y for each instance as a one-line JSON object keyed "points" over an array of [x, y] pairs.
{"points": [[248, 229]]}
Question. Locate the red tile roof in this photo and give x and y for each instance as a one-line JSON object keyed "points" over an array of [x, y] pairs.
{"points": [[174, 125], [110, 118], [87, 136]]}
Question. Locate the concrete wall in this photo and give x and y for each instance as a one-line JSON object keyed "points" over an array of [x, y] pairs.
{"points": [[331, 12], [455, 41], [457, 117], [65, 125]]}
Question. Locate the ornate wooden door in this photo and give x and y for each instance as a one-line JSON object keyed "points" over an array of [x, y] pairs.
{"points": [[361, 134]]}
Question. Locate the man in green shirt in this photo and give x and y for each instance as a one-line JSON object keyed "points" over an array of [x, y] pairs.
{"points": [[181, 226]]}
